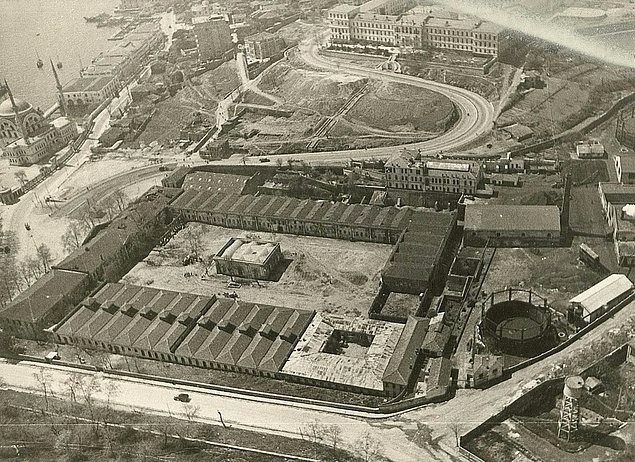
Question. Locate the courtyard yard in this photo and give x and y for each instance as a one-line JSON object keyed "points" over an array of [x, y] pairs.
{"points": [[323, 274]]}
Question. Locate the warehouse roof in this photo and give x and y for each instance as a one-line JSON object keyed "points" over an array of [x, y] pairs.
{"points": [[403, 358], [602, 293], [512, 218], [618, 193], [38, 302], [215, 182], [87, 84]]}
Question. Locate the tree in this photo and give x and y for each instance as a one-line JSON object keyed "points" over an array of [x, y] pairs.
{"points": [[7, 343], [43, 379], [194, 240], [333, 434], [21, 177], [455, 427], [44, 254], [120, 199], [74, 235], [368, 448]]}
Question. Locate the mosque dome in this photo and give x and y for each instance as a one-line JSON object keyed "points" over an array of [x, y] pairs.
{"points": [[6, 109]]}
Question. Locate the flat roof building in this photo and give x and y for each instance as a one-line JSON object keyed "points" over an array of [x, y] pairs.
{"points": [[246, 258]]}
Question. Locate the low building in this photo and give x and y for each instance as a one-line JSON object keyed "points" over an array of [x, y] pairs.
{"points": [[221, 182], [357, 222], [86, 92], [590, 150], [263, 46], [511, 225], [618, 203], [480, 370], [216, 149], [598, 299], [353, 354], [44, 303], [245, 258], [519, 132]]}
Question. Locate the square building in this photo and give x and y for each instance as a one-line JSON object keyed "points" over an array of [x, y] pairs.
{"points": [[248, 258]]}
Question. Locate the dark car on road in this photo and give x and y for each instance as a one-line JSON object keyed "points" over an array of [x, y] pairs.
{"points": [[183, 397]]}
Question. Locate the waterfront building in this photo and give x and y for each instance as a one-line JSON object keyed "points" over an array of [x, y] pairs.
{"points": [[86, 92], [213, 37], [26, 136]]}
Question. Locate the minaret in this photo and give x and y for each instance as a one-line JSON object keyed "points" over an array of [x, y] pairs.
{"points": [[16, 111], [59, 90]]}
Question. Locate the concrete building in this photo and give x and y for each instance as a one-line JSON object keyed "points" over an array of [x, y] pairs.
{"points": [[618, 203], [246, 258], [590, 150], [86, 92], [625, 169], [263, 46], [26, 137], [382, 22], [511, 225], [598, 299], [446, 176], [213, 37]]}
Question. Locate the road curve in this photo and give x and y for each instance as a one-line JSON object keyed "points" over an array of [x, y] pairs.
{"points": [[476, 118]]}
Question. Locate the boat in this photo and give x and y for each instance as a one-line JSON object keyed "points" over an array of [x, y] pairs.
{"points": [[60, 65], [99, 18], [39, 63]]}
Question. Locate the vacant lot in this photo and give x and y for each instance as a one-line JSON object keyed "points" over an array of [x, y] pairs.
{"points": [[202, 95], [398, 108], [324, 274], [555, 273]]}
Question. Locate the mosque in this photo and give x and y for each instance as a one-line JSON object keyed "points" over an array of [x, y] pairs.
{"points": [[26, 136]]}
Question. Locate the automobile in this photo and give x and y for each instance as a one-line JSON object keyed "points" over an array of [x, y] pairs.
{"points": [[264, 159], [27, 226], [233, 285], [183, 397]]}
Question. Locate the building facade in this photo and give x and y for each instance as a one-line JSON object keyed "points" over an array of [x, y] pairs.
{"points": [[457, 177], [213, 37], [85, 92], [26, 137], [263, 46], [382, 23]]}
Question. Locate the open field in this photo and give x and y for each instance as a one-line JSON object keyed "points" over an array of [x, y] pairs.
{"points": [[325, 274], [555, 273]]}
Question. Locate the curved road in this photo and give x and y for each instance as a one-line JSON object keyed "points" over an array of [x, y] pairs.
{"points": [[476, 114]]}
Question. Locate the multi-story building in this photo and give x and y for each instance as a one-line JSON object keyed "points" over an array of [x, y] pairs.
{"points": [[446, 176], [213, 37], [339, 19], [381, 22], [85, 92], [263, 46]]}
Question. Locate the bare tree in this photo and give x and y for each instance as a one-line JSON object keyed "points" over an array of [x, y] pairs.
{"points": [[21, 177], [120, 199], [191, 413], [194, 240], [368, 448], [34, 266], [332, 434], [24, 270], [43, 252], [43, 379], [73, 236], [456, 429]]}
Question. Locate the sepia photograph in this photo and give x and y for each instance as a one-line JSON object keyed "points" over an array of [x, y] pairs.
{"points": [[317, 230]]}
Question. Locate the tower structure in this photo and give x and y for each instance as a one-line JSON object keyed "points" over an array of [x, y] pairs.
{"points": [[18, 119], [570, 412], [60, 93]]}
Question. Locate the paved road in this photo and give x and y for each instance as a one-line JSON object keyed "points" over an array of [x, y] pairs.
{"points": [[468, 408], [476, 115]]}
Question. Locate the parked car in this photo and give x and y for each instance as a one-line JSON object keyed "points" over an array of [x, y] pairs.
{"points": [[183, 397], [264, 159]]}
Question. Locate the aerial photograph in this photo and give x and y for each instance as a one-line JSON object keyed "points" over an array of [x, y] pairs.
{"points": [[317, 230]]}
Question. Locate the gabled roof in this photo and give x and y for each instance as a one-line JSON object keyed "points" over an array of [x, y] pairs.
{"points": [[480, 217], [602, 293], [38, 302], [402, 360]]}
